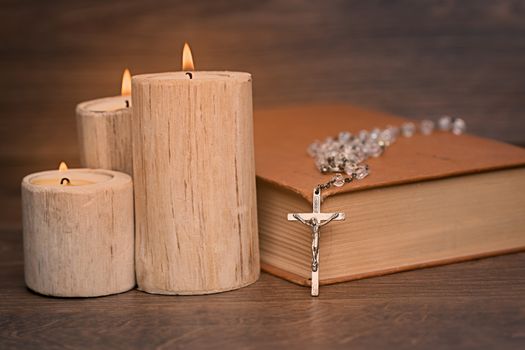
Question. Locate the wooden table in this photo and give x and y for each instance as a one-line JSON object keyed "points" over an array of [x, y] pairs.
{"points": [[417, 59], [474, 305]]}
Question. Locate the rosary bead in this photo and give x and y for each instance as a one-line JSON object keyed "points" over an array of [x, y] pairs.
{"points": [[375, 133], [338, 180], [445, 123], [313, 149], [352, 159], [344, 136], [320, 163], [373, 149], [363, 135], [459, 126], [357, 157], [361, 172], [408, 129], [350, 169], [332, 154], [387, 136], [394, 130], [427, 127]]}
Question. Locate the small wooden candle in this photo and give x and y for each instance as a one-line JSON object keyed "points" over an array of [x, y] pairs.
{"points": [[78, 232], [194, 171], [104, 130]]}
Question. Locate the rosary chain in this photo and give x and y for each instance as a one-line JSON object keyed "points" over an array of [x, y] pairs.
{"points": [[347, 153], [328, 184]]}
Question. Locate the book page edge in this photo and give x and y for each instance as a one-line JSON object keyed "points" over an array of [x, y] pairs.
{"points": [[294, 278]]}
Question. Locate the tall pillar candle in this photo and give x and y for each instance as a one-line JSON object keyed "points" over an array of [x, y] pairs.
{"points": [[194, 171], [104, 131], [78, 232]]}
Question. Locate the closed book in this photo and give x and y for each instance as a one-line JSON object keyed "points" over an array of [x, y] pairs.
{"points": [[429, 200]]}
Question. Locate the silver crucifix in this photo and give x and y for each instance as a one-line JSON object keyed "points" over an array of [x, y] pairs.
{"points": [[316, 220]]}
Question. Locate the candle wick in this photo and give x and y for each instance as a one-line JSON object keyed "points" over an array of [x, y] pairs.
{"points": [[127, 104], [65, 179], [189, 74]]}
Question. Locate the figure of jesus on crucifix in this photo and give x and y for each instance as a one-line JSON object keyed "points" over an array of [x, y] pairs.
{"points": [[315, 220]]}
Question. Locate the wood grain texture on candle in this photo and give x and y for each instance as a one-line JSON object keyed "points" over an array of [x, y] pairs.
{"points": [[104, 131], [194, 174], [78, 240]]}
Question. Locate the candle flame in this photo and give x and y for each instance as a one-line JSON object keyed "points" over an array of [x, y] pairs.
{"points": [[126, 83], [62, 166], [187, 58]]}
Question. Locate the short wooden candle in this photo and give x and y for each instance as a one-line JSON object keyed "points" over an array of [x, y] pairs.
{"points": [[78, 235], [104, 131], [194, 174]]}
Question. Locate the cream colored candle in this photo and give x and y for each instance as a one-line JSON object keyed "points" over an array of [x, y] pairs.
{"points": [[194, 171], [78, 232], [104, 130]]}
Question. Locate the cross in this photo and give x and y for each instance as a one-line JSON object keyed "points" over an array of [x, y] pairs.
{"points": [[316, 220]]}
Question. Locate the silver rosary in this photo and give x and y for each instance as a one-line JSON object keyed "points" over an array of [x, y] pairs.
{"points": [[347, 153]]}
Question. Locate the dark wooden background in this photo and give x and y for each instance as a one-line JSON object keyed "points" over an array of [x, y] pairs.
{"points": [[416, 58]]}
